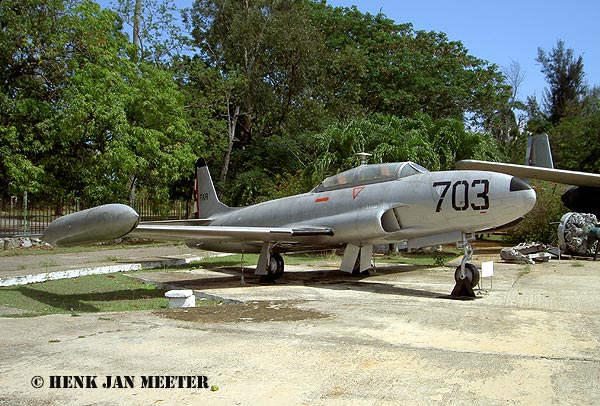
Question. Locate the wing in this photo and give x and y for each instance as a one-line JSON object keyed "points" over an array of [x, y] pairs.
{"points": [[184, 232], [522, 171]]}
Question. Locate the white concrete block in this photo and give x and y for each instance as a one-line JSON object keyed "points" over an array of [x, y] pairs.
{"points": [[181, 298]]}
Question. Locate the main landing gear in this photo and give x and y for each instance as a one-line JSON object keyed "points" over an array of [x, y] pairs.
{"points": [[466, 275], [357, 259], [274, 269], [270, 265]]}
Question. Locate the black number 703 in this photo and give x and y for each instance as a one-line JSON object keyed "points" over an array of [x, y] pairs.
{"points": [[460, 194]]}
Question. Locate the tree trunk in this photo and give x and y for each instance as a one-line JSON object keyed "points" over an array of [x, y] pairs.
{"points": [[136, 23], [132, 180], [231, 125]]}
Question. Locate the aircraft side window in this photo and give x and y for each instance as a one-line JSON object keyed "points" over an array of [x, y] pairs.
{"points": [[407, 170], [369, 173], [337, 180], [418, 168], [411, 168]]}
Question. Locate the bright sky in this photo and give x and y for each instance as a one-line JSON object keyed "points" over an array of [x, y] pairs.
{"points": [[499, 32]]}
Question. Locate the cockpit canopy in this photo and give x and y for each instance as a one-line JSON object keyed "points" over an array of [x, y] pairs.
{"points": [[368, 174]]}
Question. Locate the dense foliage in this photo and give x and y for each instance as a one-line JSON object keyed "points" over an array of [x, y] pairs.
{"points": [[276, 94], [79, 116], [540, 224]]}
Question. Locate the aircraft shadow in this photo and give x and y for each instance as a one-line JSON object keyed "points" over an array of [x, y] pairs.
{"points": [[318, 278]]}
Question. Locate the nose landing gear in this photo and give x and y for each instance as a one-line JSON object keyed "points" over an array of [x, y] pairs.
{"points": [[466, 275]]}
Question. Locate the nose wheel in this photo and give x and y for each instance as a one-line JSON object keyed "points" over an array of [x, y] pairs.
{"points": [[466, 275], [471, 274]]}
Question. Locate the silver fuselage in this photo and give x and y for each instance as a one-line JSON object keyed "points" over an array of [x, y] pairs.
{"points": [[433, 204]]}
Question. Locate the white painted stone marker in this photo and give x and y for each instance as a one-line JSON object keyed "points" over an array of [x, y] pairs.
{"points": [[181, 298]]}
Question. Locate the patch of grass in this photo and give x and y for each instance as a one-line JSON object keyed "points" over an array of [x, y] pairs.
{"points": [[439, 259], [19, 315], [87, 294], [48, 263], [577, 264], [308, 257], [113, 258]]}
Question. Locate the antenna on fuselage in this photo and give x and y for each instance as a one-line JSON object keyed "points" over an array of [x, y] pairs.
{"points": [[363, 156]]}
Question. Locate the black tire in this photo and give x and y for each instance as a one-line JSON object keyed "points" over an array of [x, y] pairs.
{"points": [[277, 266], [472, 274]]}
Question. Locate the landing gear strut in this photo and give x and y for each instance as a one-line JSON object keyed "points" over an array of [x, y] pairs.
{"points": [[356, 270], [357, 259], [466, 275]]}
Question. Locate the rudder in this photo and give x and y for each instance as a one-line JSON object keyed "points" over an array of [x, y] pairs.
{"points": [[207, 202]]}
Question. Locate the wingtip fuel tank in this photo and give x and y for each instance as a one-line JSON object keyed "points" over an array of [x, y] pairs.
{"points": [[98, 224]]}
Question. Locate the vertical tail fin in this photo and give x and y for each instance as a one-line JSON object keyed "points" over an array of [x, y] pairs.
{"points": [[207, 202], [538, 152]]}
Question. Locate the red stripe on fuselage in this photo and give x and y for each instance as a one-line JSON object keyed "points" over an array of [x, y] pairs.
{"points": [[321, 199]]}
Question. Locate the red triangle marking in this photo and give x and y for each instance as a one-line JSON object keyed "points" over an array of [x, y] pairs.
{"points": [[356, 191]]}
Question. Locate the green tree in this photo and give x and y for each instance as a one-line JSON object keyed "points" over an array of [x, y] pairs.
{"points": [[205, 105], [33, 68], [566, 79], [539, 225], [80, 118], [265, 53], [435, 144], [576, 143], [130, 119], [156, 26], [377, 65], [291, 68]]}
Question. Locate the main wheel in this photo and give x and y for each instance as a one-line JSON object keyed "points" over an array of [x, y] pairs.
{"points": [[276, 266], [472, 273]]}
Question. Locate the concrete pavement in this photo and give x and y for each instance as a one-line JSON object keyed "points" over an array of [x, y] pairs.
{"points": [[318, 337]]}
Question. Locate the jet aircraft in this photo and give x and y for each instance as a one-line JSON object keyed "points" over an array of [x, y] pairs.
{"points": [[353, 210]]}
